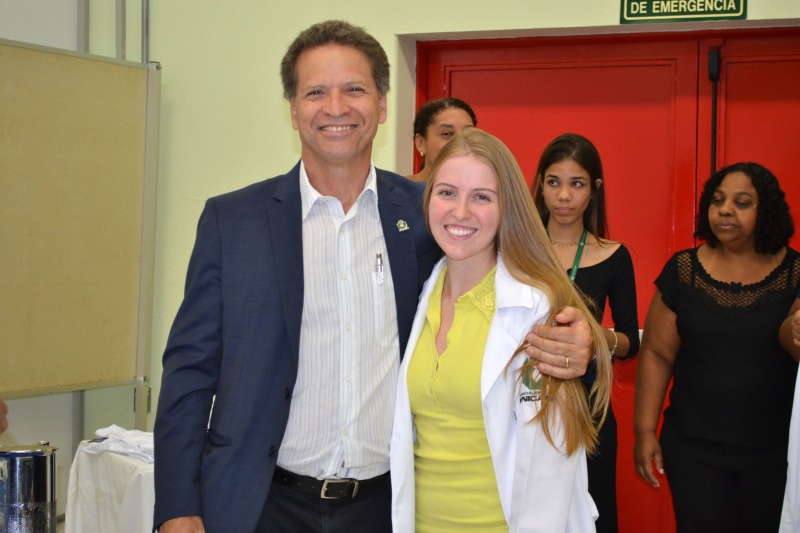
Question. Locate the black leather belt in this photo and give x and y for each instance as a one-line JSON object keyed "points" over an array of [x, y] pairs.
{"points": [[329, 489]]}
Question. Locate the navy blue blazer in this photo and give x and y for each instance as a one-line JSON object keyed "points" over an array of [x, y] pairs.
{"points": [[237, 336]]}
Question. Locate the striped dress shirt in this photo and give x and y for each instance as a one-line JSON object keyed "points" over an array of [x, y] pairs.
{"points": [[340, 418]]}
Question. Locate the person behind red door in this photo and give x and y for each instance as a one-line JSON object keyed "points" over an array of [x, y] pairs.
{"points": [[481, 441], [569, 193], [713, 327], [437, 122]]}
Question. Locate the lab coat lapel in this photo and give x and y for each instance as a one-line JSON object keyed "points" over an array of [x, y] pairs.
{"points": [[506, 332]]}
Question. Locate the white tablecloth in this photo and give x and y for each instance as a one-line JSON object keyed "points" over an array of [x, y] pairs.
{"points": [[109, 492]]}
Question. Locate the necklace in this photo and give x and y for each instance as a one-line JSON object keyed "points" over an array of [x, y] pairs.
{"points": [[556, 243], [578, 253]]}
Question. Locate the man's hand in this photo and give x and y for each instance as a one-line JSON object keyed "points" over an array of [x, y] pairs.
{"points": [[563, 351], [3, 417], [183, 524]]}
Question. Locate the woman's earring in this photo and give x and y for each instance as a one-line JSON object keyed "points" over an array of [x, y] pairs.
{"points": [[421, 154]]}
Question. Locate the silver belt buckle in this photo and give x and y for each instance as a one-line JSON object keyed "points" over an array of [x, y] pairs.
{"points": [[324, 491]]}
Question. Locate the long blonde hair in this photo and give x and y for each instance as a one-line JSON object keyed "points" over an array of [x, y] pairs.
{"points": [[529, 257]]}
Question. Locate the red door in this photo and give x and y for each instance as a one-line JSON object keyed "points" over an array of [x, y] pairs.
{"points": [[645, 101], [759, 108]]}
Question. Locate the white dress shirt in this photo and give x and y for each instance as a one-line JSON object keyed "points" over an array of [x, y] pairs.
{"points": [[340, 419]]}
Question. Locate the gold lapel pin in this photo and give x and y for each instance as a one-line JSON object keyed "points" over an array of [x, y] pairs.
{"points": [[402, 225]]}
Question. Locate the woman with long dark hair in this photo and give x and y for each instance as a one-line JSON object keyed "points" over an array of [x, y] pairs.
{"points": [[569, 192]]}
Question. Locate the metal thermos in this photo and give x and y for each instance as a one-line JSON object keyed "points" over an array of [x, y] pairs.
{"points": [[28, 488]]}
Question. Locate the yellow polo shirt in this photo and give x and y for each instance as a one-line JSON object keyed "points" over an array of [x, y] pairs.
{"points": [[455, 484]]}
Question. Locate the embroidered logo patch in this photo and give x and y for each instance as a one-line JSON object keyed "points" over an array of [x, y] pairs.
{"points": [[532, 387]]}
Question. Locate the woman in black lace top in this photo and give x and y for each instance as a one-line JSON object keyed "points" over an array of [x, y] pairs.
{"points": [[570, 197], [713, 327]]}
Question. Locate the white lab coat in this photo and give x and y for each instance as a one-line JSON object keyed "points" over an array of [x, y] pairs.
{"points": [[541, 490], [790, 519]]}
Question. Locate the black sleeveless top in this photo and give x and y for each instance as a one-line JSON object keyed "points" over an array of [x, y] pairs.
{"points": [[733, 382], [612, 279]]}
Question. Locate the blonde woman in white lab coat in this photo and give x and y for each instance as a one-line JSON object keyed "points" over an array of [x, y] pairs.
{"points": [[481, 441]]}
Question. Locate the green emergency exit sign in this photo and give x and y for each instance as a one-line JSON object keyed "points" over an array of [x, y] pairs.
{"points": [[639, 11]]}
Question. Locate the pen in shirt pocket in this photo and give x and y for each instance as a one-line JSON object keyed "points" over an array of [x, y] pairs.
{"points": [[379, 269]]}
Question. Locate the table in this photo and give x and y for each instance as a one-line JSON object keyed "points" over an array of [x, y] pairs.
{"points": [[109, 492]]}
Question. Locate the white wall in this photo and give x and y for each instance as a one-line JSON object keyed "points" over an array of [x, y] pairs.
{"points": [[103, 28], [45, 22]]}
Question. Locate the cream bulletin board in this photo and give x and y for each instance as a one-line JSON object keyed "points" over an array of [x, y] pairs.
{"points": [[78, 137]]}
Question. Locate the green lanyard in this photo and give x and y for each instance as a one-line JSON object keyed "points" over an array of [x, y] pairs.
{"points": [[578, 254]]}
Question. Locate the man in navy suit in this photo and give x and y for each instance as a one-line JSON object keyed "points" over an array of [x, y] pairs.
{"points": [[299, 299]]}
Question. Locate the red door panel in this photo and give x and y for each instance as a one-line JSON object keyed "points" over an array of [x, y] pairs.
{"points": [[759, 112]]}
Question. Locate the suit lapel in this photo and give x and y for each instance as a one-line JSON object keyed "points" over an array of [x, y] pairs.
{"points": [[398, 212], [286, 236]]}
